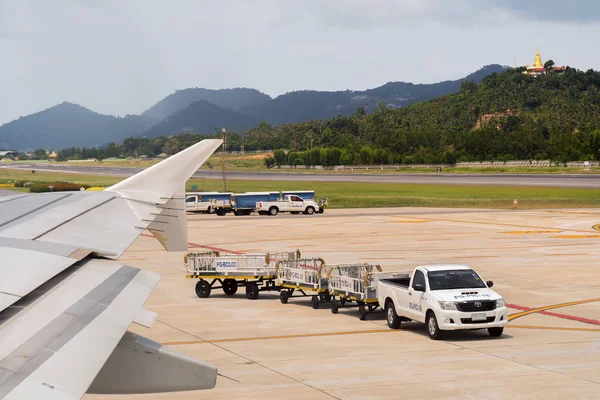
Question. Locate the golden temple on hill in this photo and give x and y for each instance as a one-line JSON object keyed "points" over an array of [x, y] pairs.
{"points": [[538, 68]]}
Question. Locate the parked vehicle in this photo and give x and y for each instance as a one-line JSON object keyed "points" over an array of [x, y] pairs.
{"points": [[289, 203], [243, 203], [444, 297], [205, 202]]}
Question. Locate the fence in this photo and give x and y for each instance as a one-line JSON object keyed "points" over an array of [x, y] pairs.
{"points": [[470, 164]]}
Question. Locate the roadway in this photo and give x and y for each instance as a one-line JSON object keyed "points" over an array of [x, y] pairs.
{"points": [[548, 180]]}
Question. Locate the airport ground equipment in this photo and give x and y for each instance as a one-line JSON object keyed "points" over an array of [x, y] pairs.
{"points": [[243, 203], [255, 272], [305, 194], [206, 202], [354, 282], [289, 203], [444, 297], [301, 277]]}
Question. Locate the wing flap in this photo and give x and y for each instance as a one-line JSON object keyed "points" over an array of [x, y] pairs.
{"points": [[46, 357], [24, 270]]}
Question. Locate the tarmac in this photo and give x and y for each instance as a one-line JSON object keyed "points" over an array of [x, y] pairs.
{"points": [[543, 262], [549, 180]]}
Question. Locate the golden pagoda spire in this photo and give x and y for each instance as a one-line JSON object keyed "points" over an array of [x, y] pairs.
{"points": [[538, 60]]}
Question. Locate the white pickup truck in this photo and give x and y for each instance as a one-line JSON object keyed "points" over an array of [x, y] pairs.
{"points": [[289, 203], [445, 298]]}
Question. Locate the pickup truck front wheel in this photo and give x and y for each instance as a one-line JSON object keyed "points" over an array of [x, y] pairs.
{"points": [[393, 320], [432, 327], [309, 211]]}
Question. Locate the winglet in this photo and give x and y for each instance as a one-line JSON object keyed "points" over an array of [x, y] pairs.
{"points": [[163, 185], [163, 180]]}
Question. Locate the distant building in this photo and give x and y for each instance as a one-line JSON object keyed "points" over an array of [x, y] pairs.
{"points": [[8, 152], [538, 69]]}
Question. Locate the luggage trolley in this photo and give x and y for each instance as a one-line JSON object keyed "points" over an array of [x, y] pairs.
{"points": [[357, 282], [254, 271], [354, 282], [303, 275]]}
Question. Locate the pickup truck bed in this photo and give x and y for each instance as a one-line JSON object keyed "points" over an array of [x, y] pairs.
{"points": [[403, 282]]}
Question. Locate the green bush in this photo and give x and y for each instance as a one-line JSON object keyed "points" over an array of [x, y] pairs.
{"points": [[42, 187]]}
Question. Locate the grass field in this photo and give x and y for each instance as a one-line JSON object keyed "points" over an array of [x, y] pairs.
{"points": [[344, 195], [253, 163]]}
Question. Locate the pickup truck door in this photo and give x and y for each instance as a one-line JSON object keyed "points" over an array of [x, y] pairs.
{"points": [[191, 203], [416, 299], [296, 203]]}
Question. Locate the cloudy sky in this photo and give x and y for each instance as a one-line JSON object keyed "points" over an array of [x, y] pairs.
{"points": [[121, 56]]}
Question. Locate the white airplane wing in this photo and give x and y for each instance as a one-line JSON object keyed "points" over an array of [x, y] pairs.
{"points": [[65, 309]]}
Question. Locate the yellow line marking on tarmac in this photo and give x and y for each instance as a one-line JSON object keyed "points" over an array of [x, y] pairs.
{"points": [[576, 237], [294, 336], [527, 232], [537, 310], [567, 254], [596, 227], [553, 328], [499, 224]]}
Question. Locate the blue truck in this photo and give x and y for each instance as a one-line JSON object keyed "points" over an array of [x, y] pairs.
{"points": [[305, 194], [245, 203]]}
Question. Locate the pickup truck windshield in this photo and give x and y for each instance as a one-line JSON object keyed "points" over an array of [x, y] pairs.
{"points": [[454, 279]]}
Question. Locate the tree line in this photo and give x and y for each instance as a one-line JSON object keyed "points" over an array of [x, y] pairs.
{"points": [[506, 116]]}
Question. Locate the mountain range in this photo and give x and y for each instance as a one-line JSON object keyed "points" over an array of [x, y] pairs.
{"points": [[201, 110]]}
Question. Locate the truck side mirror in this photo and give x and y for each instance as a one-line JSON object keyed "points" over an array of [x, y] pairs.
{"points": [[419, 287], [490, 284]]}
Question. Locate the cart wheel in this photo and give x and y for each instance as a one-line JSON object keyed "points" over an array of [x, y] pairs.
{"points": [[342, 301], [252, 290], [335, 306], [284, 296], [202, 289], [230, 286], [315, 302], [363, 312]]}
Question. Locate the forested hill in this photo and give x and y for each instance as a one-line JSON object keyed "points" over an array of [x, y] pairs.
{"points": [[506, 116], [233, 99], [68, 124], [305, 105]]}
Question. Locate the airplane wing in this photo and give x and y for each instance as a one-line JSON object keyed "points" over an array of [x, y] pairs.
{"points": [[65, 309]]}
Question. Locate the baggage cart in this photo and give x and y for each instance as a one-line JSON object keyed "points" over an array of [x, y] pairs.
{"points": [[357, 283], [302, 276], [255, 272]]}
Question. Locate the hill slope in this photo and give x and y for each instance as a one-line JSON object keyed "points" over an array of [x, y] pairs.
{"points": [[227, 98], [68, 124], [506, 116], [307, 105], [200, 117]]}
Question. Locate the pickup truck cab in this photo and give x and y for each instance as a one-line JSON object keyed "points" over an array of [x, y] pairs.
{"points": [[289, 203], [445, 298]]}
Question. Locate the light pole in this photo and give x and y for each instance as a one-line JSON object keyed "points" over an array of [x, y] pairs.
{"points": [[224, 132]]}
